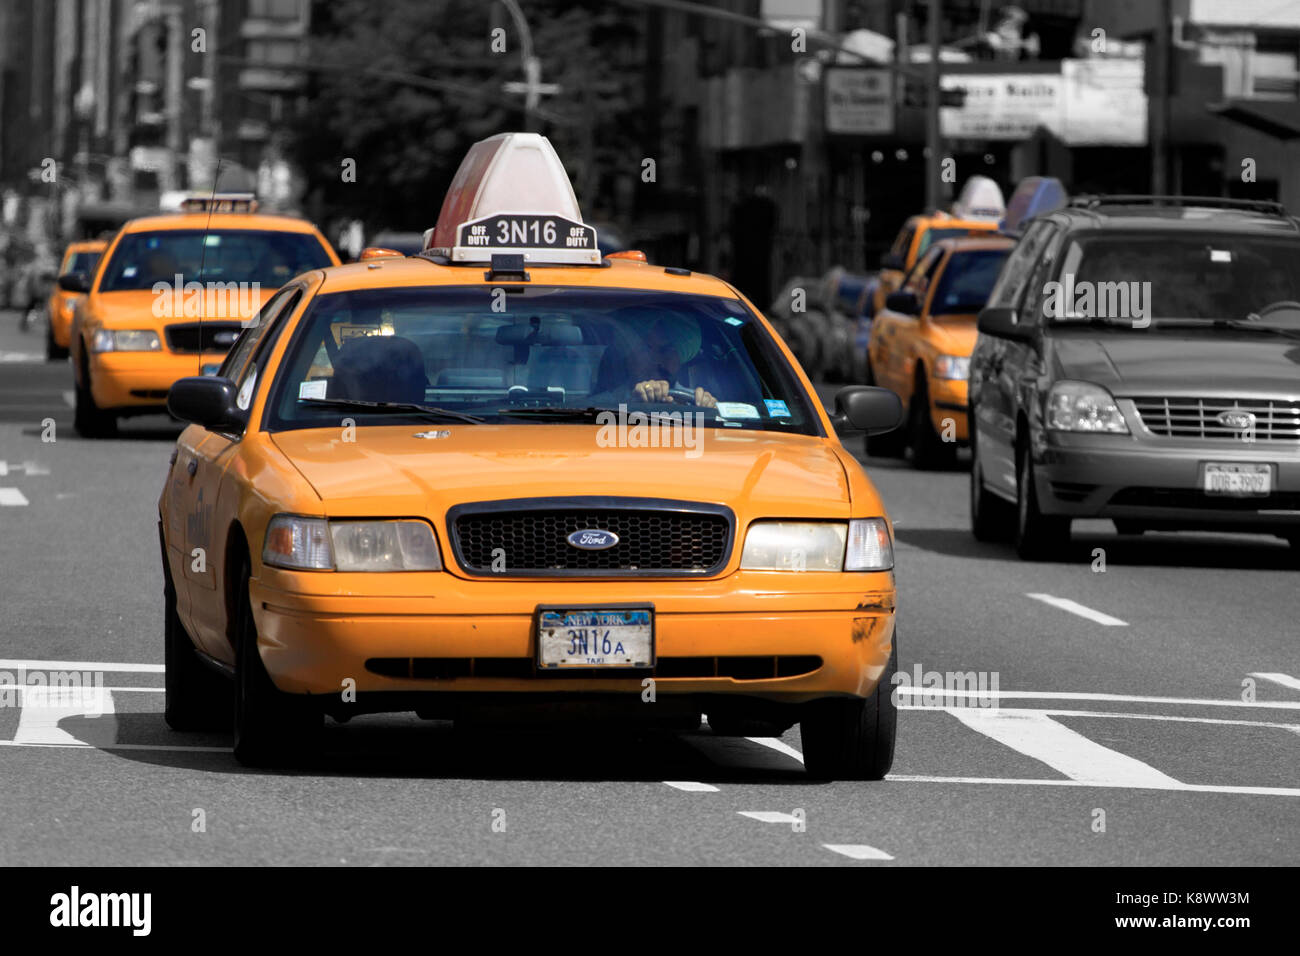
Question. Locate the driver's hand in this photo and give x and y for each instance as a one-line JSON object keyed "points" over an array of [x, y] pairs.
{"points": [[652, 391], [704, 399]]}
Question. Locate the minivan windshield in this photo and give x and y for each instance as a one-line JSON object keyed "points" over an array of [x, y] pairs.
{"points": [[1177, 276], [535, 355]]}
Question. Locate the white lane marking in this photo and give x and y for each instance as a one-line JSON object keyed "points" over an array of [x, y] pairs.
{"points": [[7, 686], [4, 469], [1031, 781], [1064, 750], [858, 851], [1272, 725], [769, 816], [83, 746], [70, 399], [44, 707], [83, 666], [1074, 607], [691, 786], [31, 468], [778, 745], [1286, 680], [12, 497], [958, 697], [22, 357]]}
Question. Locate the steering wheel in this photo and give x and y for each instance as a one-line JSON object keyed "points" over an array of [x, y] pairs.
{"points": [[1276, 306], [682, 395]]}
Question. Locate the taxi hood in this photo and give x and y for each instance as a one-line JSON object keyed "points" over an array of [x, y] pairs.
{"points": [[391, 471], [954, 334]]}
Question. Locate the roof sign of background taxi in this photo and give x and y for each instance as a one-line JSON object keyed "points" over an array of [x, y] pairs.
{"points": [[511, 196], [981, 198], [1034, 196]]}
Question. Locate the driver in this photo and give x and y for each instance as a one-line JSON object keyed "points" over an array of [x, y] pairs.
{"points": [[671, 344]]}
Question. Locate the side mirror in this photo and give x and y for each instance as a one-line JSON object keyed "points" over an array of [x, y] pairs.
{"points": [[891, 260], [904, 301], [866, 408], [1000, 322], [74, 282], [208, 401]]}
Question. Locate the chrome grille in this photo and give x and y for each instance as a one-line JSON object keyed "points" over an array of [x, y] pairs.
{"points": [[1183, 417]]}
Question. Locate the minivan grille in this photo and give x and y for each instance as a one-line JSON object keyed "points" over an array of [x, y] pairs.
{"points": [[1181, 417], [655, 537]]}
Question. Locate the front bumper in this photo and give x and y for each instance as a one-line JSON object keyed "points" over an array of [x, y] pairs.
{"points": [[1159, 481], [317, 630], [141, 380]]}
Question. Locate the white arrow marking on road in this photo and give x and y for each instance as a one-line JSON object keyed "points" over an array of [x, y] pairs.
{"points": [[769, 816], [44, 707], [84, 666], [1074, 607], [690, 786], [12, 497], [1067, 751], [1286, 680], [858, 851]]}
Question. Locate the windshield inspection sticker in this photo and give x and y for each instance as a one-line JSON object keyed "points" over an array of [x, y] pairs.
{"points": [[1220, 255], [777, 408], [737, 410], [313, 389]]}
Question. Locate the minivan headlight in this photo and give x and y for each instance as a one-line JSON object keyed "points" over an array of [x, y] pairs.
{"points": [[1083, 407]]}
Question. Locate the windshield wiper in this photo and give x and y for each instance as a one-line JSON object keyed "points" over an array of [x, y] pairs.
{"points": [[558, 412], [383, 408], [1237, 325]]}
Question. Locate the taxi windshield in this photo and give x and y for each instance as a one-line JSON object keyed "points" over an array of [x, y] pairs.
{"points": [[268, 258], [83, 262], [534, 354], [966, 282]]}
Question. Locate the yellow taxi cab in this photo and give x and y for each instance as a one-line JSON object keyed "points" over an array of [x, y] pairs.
{"points": [[921, 342], [170, 297], [80, 258], [977, 209], [510, 476]]}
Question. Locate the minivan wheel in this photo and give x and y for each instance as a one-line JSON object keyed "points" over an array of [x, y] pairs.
{"points": [[991, 518], [853, 738], [1038, 536]]}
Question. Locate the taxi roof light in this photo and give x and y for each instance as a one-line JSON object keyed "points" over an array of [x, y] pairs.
{"points": [[1034, 196], [512, 196], [980, 198], [219, 202]]}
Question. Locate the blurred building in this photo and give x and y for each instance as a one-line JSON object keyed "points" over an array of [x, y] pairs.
{"points": [[132, 99]]}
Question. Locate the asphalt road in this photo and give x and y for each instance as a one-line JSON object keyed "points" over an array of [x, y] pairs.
{"points": [[1124, 733]]}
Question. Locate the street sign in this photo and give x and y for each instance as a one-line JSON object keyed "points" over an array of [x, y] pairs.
{"points": [[859, 101]]}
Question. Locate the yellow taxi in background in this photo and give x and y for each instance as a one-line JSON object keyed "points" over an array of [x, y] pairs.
{"points": [[921, 341], [510, 476], [978, 208], [80, 258], [171, 296]]}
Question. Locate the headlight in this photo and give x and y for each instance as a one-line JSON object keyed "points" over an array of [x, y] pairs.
{"points": [[1083, 407], [384, 546], [125, 340], [870, 547], [952, 366], [295, 542], [69, 306], [818, 546]]}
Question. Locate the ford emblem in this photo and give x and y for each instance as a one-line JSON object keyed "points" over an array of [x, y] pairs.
{"points": [[1235, 419], [593, 539]]}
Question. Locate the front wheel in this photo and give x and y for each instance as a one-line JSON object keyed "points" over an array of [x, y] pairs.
{"points": [[929, 450], [853, 738], [53, 351], [89, 419], [272, 728], [1038, 536]]}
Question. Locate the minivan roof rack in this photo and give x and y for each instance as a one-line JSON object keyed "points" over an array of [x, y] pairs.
{"points": [[1270, 206]]}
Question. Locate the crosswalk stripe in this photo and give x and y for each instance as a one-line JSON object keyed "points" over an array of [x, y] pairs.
{"points": [[83, 666], [1067, 751]]}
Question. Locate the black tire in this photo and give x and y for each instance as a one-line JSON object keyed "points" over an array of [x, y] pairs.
{"points": [[853, 738], [195, 697], [929, 450], [53, 351], [89, 419], [889, 445], [991, 518], [272, 728], [1038, 536], [1129, 526]]}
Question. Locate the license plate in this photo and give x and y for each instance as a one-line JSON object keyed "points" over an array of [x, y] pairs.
{"points": [[1236, 479], [589, 637]]}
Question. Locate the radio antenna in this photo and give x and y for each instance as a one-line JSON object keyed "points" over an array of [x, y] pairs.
{"points": [[203, 255]]}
